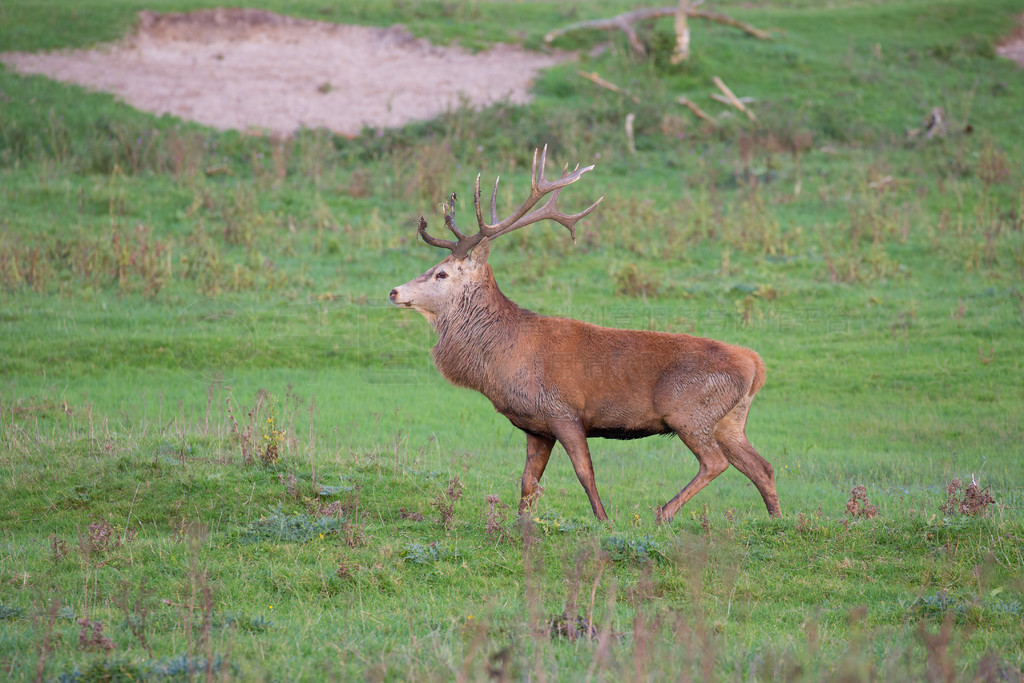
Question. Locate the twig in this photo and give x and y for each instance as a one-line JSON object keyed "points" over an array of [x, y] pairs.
{"points": [[594, 78], [733, 100], [630, 139], [697, 110]]}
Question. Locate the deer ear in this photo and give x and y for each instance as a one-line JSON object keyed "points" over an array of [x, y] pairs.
{"points": [[480, 252]]}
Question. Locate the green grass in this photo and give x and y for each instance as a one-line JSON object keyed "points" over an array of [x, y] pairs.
{"points": [[155, 276]]}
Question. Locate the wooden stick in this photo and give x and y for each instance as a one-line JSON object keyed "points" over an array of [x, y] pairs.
{"points": [[594, 78], [733, 100], [696, 110]]}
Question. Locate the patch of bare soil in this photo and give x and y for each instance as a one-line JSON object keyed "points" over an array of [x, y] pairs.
{"points": [[251, 69], [1013, 47]]}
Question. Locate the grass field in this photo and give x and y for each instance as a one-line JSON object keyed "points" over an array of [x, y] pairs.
{"points": [[223, 454]]}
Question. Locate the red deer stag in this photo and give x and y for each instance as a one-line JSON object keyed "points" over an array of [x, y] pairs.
{"points": [[564, 380]]}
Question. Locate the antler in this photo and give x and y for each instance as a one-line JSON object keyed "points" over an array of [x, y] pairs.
{"points": [[520, 218]]}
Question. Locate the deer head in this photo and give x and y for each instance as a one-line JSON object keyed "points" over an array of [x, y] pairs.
{"points": [[465, 271]]}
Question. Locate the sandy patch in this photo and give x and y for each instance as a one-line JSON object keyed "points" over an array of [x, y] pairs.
{"points": [[251, 69], [1013, 46]]}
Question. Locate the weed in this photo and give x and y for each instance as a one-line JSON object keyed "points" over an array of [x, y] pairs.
{"points": [[101, 538], [418, 553], [91, 636], [58, 548], [354, 533], [410, 515], [974, 503], [280, 527], [9, 613], [637, 550], [261, 438], [573, 628], [136, 611], [497, 520], [633, 282], [858, 506], [45, 640], [444, 502]]}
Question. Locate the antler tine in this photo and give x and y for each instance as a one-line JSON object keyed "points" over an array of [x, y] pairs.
{"points": [[549, 211], [431, 240], [449, 217], [494, 201], [521, 217]]}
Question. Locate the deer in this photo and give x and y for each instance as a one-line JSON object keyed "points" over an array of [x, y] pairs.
{"points": [[563, 380]]}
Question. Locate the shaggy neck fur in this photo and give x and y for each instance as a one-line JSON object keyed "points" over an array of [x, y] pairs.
{"points": [[475, 335]]}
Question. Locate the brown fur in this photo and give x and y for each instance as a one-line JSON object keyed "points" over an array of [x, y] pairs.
{"points": [[563, 380]]}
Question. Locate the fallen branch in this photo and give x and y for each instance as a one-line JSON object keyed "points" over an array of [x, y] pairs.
{"points": [[725, 100], [696, 110], [624, 22], [594, 78], [733, 100]]}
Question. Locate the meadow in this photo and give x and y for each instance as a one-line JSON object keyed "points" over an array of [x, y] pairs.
{"points": [[225, 455]]}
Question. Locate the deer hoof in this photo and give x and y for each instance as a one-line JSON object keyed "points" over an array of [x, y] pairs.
{"points": [[661, 518]]}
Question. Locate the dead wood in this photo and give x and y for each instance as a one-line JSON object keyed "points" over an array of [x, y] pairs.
{"points": [[692, 106], [594, 78], [624, 22], [733, 100]]}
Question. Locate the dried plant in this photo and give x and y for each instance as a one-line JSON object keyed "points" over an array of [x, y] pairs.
{"points": [[410, 515], [445, 502], [497, 520], [975, 501], [858, 505], [354, 536], [91, 636], [58, 548]]}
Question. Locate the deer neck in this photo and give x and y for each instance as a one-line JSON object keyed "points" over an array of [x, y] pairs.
{"points": [[476, 335]]}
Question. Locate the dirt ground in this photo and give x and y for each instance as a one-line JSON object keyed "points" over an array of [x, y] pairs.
{"points": [[1013, 46], [251, 69]]}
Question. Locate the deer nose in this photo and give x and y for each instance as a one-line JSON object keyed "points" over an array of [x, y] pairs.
{"points": [[394, 293]]}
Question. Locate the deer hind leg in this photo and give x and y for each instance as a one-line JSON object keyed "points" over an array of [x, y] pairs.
{"points": [[538, 450], [731, 436], [574, 441], [711, 461]]}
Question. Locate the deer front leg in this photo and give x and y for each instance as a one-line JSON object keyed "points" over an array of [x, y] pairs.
{"points": [[538, 450], [574, 441]]}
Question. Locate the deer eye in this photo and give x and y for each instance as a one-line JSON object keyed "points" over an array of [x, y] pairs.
{"points": [[440, 275]]}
